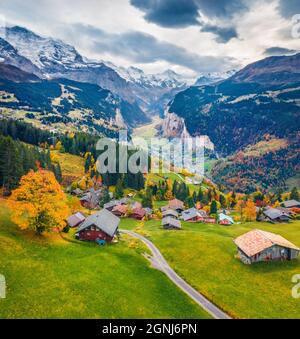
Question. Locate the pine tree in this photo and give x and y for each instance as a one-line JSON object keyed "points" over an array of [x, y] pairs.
{"points": [[222, 200], [189, 202], [105, 197], [147, 198], [119, 190], [294, 194], [213, 207]]}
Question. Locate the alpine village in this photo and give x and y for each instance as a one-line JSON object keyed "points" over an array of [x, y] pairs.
{"points": [[75, 243]]}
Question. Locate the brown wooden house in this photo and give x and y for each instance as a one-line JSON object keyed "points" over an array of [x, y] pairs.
{"points": [[170, 223], [176, 205], [76, 219], [258, 245], [138, 213], [120, 210], [102, 225]]}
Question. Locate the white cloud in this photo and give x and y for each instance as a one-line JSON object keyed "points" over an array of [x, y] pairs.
{"points": [[259, 28]]}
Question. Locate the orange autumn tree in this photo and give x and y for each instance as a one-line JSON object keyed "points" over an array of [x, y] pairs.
{"points": [[39, 203], [250, 211]]}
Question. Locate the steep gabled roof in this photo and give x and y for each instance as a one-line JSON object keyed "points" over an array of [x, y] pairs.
{"points": [[75, 219], [176, 204], [170, 212], [291, 203], [274, 213], [120, 208], [171, 221], [104, 220], [223, 216], [191, 213], [256, 241]]}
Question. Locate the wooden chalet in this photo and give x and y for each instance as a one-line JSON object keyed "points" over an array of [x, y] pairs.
{"points": [[176, 205], [170, 223], [76, 219], [102, 225], [225, 220], [258, 245], [170, 213], [120, 210], [91, 199], [138, 213], [193, 215], [274, 216], [291, 204]]}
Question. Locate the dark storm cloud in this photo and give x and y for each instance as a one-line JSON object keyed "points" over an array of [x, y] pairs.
{"points": [[273, 51], [288, 8], [223, 34], [184, 13], [145, 48], [169, 13]]}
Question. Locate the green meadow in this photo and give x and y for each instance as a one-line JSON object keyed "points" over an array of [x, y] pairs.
{"points": [[49, 277], [204, 255]]}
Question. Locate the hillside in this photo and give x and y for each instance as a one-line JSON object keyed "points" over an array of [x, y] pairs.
{"points": [[239, 111], [55, 102], [260, 101], [267, 164], [46, 277], [52, 58]]}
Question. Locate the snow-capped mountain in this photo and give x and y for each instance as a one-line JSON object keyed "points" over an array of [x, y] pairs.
{"points": [[211, 78], [10, 55], [167, 79], [51, 58]]}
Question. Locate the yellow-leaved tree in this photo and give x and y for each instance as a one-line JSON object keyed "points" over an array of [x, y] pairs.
{"points": [[250, 211], [39, 203]]}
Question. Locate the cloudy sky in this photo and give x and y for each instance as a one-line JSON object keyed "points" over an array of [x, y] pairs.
{"points": [[188, 36]]}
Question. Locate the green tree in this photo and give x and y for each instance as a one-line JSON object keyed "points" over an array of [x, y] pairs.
{"points": [[213, 207], [119, 190], [294, 194]]}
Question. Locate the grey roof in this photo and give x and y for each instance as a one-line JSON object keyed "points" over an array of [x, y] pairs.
{"points": [[171, 221], [170, 213], [75, 219], [274, 213], [148, 210], [105, 220], [190, 213], [91, 197], [112, 203], [223, 216], [291, 203], [77, 191]]}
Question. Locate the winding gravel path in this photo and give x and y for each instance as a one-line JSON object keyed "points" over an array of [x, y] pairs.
{"points": [[160, 263]]}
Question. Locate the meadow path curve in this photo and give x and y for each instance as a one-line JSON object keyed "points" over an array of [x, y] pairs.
{"points": [[160, 263]]}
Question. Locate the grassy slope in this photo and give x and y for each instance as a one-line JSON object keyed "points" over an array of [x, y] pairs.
{"points": [[52, 278], [205, 256], [71, 165]]}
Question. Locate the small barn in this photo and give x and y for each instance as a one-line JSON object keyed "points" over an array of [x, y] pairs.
{"points": [[111, 204], [225, 220], [136, 204], [274, 216], [258, 245], [148, 211], [77, 192], [176, 205], [91, 199], [120, 210], [193, 215], [102, 225], [138, 213], [291, 204], [170, 213], [75, 220], [170, 223]]}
